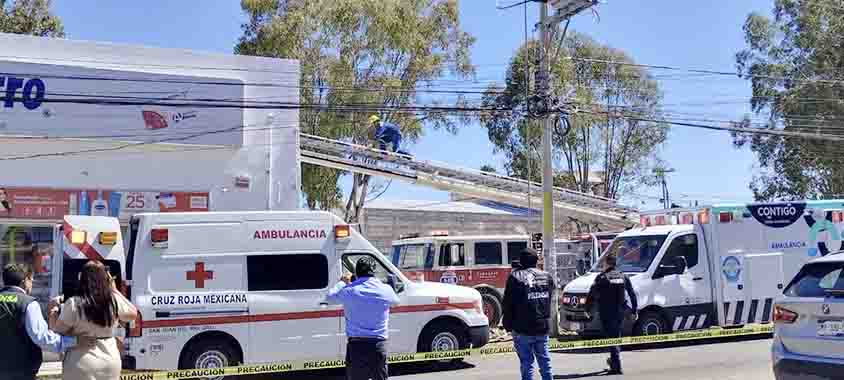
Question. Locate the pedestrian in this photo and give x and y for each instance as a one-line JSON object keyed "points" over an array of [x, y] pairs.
{"points": [[386, 133], [23, 329], [608, 291], [92, 316], [527, 313], [366, 305]]}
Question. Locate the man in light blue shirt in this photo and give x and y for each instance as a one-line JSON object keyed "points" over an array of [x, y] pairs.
{"points": [[366, 305], [23, 328]]}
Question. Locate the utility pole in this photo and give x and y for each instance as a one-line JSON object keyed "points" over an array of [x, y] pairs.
{"points": [[565, 9], [666, 198]]}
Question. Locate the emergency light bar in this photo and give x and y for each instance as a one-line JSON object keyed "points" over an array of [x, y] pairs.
{"points": [[408, 236], [159, 237], [837, 216], [342, 232], [107, 238], [439, 233], [78, 237]]}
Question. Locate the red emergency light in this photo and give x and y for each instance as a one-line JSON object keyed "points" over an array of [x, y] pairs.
{"points": [[159, 237], [837, 216], [703, 217], [725, 217], [645, 221], [659, 220], [687, 218]]}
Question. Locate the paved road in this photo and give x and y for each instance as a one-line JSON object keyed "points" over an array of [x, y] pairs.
{"points": [[734, 359]]}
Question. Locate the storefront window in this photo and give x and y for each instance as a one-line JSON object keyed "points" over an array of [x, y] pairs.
{"points": [[33, 247]]}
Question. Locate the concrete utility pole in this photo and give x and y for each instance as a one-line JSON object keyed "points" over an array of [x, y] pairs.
{"points": [[565, 9]]}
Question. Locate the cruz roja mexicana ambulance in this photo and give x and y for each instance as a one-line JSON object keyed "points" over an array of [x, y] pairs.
{"points": [[722, 265], [219, 289]]}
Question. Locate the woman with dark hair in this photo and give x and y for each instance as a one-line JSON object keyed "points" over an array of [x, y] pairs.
{"points": [[92, 316]]}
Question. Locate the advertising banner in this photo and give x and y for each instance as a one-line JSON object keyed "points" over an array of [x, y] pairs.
{"points": [[35, 203]]}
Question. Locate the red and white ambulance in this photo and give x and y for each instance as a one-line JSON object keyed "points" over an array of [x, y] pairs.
{"points": [[217, 289], [481, 262]]}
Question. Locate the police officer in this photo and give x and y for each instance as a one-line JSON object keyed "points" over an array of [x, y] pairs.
{"points": [[527, 313], [366, 305], [23, 328], [608, 291]]}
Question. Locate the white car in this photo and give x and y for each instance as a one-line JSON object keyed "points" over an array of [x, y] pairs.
{"points": [[809, 323]]}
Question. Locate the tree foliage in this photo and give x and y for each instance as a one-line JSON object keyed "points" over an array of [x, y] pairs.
{"points": [[794, 63], [371, 54], [31, 17], [623, 151]]}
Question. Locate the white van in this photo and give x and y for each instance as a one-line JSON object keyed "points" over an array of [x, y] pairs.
{"points": [[723, 265], [225, 288]]}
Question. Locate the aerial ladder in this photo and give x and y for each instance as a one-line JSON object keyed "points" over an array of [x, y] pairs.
{"points": [[466, 182]]}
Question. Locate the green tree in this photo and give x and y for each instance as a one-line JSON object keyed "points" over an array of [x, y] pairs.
{"points": [[31, 17], [605, 138], [796, 69], [372, 54]]}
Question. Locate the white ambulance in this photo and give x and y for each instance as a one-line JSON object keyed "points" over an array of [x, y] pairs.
{"points": [[225, 288], [723, 265]]}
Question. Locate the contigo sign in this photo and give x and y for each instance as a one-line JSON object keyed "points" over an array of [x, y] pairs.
{"points": [[777, 215]]}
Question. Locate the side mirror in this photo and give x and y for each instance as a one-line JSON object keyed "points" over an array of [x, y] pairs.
{"points": [[680, 265], [394, 283]]}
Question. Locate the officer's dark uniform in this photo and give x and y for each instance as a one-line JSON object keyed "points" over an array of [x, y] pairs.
{"points": [[608, 290], [20, 358]]}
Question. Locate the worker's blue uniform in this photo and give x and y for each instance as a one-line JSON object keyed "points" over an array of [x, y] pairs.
{"points": [[388, 133]]}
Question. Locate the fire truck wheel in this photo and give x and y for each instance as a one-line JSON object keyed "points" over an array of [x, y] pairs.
{"points": [[444, 335], [650, 323], [210, 353], [492, 308]]}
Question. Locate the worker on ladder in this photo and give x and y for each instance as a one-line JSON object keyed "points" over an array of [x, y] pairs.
{"points": [[386, 133]]}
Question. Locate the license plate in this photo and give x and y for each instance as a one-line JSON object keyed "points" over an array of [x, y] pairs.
{"points": [[831, 328], [574, 326]]}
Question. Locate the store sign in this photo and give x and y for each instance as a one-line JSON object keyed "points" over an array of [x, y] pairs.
{"points": [[33, 203]]}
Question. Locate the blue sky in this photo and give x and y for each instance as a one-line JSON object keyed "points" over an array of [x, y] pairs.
{"points": [[704, 34]]}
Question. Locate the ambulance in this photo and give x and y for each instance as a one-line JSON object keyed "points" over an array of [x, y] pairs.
{"points": [[722, 265], [482, 262], [218, 289]]}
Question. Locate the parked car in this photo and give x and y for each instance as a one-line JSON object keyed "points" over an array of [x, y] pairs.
{"points": [[809, 323]]}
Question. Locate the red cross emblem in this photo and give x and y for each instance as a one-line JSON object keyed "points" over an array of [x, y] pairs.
{"points": [[198, 275]]}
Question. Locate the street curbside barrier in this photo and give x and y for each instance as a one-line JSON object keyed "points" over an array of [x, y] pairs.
{"points": [[491, 350]]}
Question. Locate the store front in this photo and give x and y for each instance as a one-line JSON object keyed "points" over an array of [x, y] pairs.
{"points": [[28, 217]]}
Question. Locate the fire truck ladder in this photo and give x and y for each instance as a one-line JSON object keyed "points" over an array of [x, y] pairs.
{"points": [[467, 182]]}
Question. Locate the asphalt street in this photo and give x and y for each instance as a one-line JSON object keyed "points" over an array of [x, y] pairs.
{"points": [[734, 358]]}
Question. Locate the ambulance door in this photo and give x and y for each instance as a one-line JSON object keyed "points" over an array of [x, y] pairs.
{"points": [[688, 295], [401, 325], [290, 319]]}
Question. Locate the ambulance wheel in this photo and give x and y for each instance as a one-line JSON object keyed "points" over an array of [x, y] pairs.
{"points": [[444, 336], [650, 323], [210, 353], [492, 308]]}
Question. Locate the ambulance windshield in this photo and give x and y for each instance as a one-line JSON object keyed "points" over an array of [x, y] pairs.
{"points": [[634, 253]]}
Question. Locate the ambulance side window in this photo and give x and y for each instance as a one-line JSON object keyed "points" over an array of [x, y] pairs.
{"points": [[350, 260], [287, 272], [686, 246]]}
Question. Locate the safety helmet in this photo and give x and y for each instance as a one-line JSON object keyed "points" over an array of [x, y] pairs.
{"points": [[374, 119]]}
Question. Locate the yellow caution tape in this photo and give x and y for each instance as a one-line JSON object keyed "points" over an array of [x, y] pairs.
{"points": [[497, 349]]}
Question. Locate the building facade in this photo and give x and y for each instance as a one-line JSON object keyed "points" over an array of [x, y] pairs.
{"points": [[96, 128]]}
